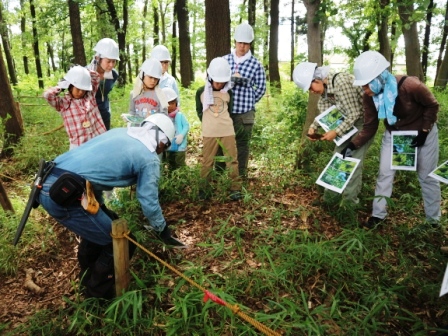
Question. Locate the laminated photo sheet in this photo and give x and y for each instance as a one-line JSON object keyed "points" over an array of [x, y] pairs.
{"points": [[332, 118], [338, 173], [444, 287], [404, 157], [441, 173]]}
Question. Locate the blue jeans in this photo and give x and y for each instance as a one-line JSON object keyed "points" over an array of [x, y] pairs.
{"points": [[95, 228]]}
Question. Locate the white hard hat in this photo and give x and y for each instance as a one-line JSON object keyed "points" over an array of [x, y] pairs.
{"points": [[163, 122], [152, 67], [368, 66], [79, 77], [219, 70], [303, 75], [107, 48], [244, 33], [161, 53], [170, 94]]}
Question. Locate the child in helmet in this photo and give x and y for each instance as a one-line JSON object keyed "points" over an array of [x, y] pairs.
{"points": [[175, 155], [214, 105], [147, 97], [104, 61], [162, 54], [78, 108]]}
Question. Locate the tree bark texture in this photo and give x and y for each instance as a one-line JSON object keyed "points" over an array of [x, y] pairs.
{"points": [[40, 76], [442, 43], [274, 74], [9, 112], [425, 50], [185, 57], [23, 30], [76, 31], [217, 29], [383, 28], [7, 48]]}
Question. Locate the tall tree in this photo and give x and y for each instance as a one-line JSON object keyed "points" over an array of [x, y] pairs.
{"points": [[383, 29], [76, 31], [411, 41], [186, 62], [251, 12], [314, 54], [121, 30], [155, 13], [217, 28], [442, 43], [425, 51], [9, 112], [36, 46], [145, 15], [22, 36], [292, 46], [174, 47], [274, 74], [6, 47]]}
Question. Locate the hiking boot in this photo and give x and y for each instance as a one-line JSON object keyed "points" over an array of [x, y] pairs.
{"points": [[235, 195], [372, 223]]}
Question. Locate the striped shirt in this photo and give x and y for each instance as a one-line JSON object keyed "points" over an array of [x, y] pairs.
{"points": [[346, 97], [245, 96]]}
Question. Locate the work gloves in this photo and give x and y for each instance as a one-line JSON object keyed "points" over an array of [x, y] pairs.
{"points": [[168, 239], [179, 138], [347, 151], [420, 139]]}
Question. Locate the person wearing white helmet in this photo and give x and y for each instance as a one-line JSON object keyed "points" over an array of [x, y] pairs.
{"points": [[161, 53], [249, 86], [147, 97], [77, 106], [106, 57], [214, 103], [131, 155], [405, 104], [335, 89], [175, 155]]}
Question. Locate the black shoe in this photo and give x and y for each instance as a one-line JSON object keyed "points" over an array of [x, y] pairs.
{"points": [[372, 223], [235, 195], [166, 237]]}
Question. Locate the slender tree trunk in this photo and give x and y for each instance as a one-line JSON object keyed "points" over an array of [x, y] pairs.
{"points": [[9, 113], [442, 74], [186, 62], [155, 14], [443, 42], [425, 50], [251, 12], [293, 47], [7, 48], [50, 53], [145, 15], [76, 31], [411, 41], [36, 46], [266, 39], [217, 28], [383, 28], [174, 47], [274, 77], [162, 19], [23, 30]]}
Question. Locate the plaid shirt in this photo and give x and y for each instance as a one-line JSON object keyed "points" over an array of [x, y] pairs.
{"points": [[246, 95], [346, 97], [82, 118]]}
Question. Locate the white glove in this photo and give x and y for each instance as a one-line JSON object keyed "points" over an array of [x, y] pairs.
{"points": [[179, 138], [63, 84]]}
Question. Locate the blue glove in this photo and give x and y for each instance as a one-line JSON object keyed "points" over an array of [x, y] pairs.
{"points": [[347, 151]]}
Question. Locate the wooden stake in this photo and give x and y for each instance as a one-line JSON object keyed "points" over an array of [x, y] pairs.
{"points": [[121, 256], [4, 200]]}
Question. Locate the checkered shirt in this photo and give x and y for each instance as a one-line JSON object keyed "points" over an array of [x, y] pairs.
{"points": [[246, 96], [346, 97]]}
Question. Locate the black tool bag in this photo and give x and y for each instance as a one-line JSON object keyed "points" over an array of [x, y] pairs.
{"points": [[67, 189]]}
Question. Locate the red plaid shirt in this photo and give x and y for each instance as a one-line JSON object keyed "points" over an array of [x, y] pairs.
{"points": [[82, 118]]}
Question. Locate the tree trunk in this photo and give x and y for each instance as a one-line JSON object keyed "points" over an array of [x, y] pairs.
{"points": [[76, 31], [443, 42], [162, 19], [292, 46], [145, 15], [9, 112], [50, 53], [174, 47], [411, 42], [22, 37], [274, 77], [442, 74], [121, 36], [314, 55], [425, 50], [185, 59], [6, 47], [266, 38], [155, 14], [251, 12], [36, 46], [383, 28], [217, 29]]}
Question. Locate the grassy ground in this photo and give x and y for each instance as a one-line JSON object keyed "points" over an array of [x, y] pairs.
{"points": [[297, 268]]}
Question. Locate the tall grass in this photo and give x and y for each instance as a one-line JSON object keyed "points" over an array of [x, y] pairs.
{"points": [[296, 268]]}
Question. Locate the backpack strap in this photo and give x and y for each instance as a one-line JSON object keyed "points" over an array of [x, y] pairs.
{"points": [[334, 77], [401, 82]]}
